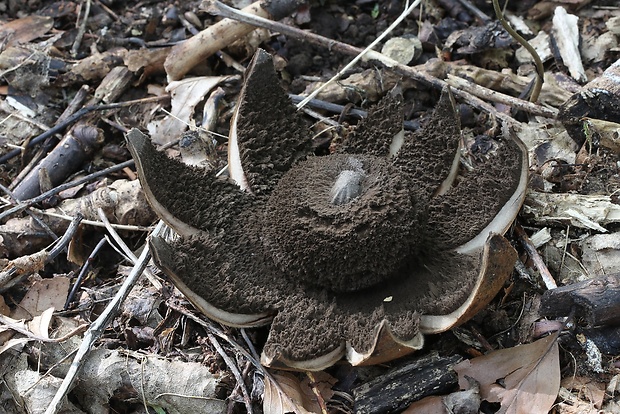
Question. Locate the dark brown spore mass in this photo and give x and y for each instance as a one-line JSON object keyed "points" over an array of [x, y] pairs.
{"points": [[428, 153], [342, 247], [459, 215], [193, 195], [382, 124], [272, 134]]}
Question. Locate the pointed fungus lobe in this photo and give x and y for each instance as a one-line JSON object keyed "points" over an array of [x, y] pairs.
{"points": [[354, 254]]}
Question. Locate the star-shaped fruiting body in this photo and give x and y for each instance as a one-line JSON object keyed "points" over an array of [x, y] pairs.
{"points": [[354, 254]]}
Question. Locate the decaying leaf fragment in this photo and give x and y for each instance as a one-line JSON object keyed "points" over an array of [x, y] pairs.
{"points": [[23, 31], [524, 379], [186, 94], [285, 393]]}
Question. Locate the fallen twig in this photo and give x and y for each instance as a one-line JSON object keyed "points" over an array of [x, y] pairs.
{"points": [[317, 392], [126, 250], [359, 56], [32, 201], [338, 109], [23, 266], [96, 329], [184, 56], [494, 96], [546, 276], [413, 72], [81, 30], [73, 118], [21, 206], [83, 270], [65, 159], [85, 222], [235, 371], [37, 220]]}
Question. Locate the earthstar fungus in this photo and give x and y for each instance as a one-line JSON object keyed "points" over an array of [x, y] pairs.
{"points": [[356, 254]]}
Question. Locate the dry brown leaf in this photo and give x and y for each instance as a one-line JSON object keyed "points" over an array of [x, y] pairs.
{"points": [[285, 395], [578, 407], [186, 94], [322, 383], [4, 308], [524, 379], [7, 330], [13, 343], [428, 405], [40, 325], [586, 388], [26, 29], [44, 294]]}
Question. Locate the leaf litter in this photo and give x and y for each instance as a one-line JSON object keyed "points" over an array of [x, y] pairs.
{"points": [[567, 177], [523, 379]]}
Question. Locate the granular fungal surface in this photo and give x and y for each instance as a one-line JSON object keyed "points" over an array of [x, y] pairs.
{"points": [[337, 252]]}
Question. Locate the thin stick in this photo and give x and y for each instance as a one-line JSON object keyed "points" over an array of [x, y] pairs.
{"points": [[250, 357], [37, 220], [357, 58], [62, 243], [317, 393], [540, 70], [94, 223], [235, 371], [546, 276], [23, 266], [73, 118], [126, 250], [32, 201], [81, 30], [97, 328], [209, 326], [83, 270], [337, 108], [218, 8], [495, 96]]}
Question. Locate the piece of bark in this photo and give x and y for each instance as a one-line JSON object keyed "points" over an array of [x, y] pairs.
{"points": [[606, 338], [606, 133], [600, 254], [583, 211], [68, 156], [599, 99], [123, 201], [92, 68], [395, 390], [540, 43], [185, 56], [597, 300], [566, 35], [113, 85]]}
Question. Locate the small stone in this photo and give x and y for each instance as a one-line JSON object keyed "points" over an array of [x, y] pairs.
{"points": [[403, 49]]}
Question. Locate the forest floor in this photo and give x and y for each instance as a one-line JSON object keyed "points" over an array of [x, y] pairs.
{"points": [[78, 75]]}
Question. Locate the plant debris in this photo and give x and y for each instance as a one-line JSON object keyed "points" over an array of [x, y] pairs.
{"points": [[74, 221]]}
